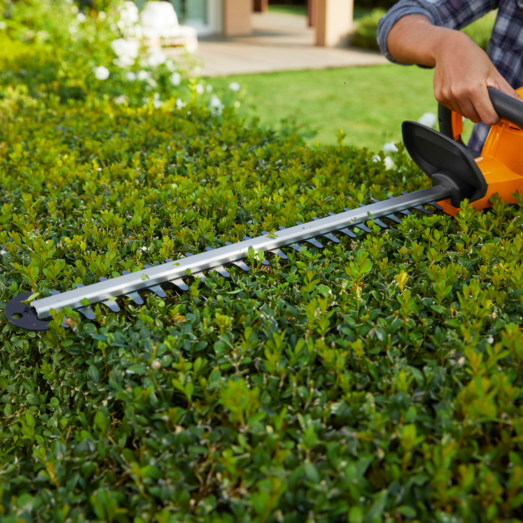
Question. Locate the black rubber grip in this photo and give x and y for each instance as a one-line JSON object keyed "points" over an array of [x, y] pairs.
{"points": [[507, 107]]}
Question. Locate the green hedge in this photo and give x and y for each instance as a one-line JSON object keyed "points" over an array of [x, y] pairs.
{"points": [[366, 32], [375, 380]]}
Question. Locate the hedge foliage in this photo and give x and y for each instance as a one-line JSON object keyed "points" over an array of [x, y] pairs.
{"points": [[375, 380]]}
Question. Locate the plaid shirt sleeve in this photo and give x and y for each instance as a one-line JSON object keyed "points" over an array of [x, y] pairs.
{"points": [[453, 14]]}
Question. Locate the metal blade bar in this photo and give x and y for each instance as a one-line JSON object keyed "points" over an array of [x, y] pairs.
{"points": [[345, 230], [141, 280], [377, 221], [392, 217], [418, 207]]}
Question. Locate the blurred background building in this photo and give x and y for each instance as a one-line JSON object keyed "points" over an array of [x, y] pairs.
{"points": [[332, 19]]}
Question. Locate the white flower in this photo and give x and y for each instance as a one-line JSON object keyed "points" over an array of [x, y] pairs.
{"points": [[156, 364], [120, 99], [215, 101], [130, 76], [156, 57], [216, 105], [390, 148], [126, 50], [156, 100], [428, 119], [101, 73], [3, 25], [143, 75], [200, 89], [376, 158], [129, 18], [176, 78], [234, 86], [102, 15], [180, 103], [197, 71], [209, 88], [73, 28], [171, 66], [74, 9], [389, 163], [81, 17]]}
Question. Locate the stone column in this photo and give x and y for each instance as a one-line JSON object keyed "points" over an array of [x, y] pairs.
{"points": [[311, 12], [260, 6], [237, 17], [333, 22]]}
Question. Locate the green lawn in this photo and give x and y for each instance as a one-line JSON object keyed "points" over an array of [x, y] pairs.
{"points": [[301, 10], [288, 9], [367, 103]]}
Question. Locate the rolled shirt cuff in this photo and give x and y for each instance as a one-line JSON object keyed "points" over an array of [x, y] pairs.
{"points": [[404, 8]]}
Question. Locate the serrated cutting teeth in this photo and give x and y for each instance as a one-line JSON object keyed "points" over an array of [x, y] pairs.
{"points": [[110, 304], [329, 236], [86, 310], [405, 212], [277, 252], [345, 230], [419, 207], [133, 295], [200, 275], [392, 217], [295, 246], [153, 278], [156, 288], [312, 241], [177, 282], [220, 270], [239, 263], [377, 221]]}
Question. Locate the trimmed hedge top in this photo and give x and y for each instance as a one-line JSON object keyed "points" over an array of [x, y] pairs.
{"points": [[374, 380], [378, 379]]}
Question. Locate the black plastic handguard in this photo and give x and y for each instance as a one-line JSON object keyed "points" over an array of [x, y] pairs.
{"points": [[445, 161], [506, 106]]}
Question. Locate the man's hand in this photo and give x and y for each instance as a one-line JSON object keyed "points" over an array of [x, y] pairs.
{"points": [[463, 71]]}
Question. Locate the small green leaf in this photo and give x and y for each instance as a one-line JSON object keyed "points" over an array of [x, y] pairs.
{"points": [[311, 472], [145, 277], [101, 420], [355, 515], [31, 298], [407, 511], [85, 302]]}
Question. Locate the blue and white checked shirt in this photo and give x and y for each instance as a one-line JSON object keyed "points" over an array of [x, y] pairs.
{"points": [[505, 48]]}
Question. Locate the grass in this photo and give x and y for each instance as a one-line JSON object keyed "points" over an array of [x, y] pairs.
{"points": [[367, 103], [301, 10], [288, 9]]}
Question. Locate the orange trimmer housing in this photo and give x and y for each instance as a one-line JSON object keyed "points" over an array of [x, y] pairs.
{"points": [[500, 160]]}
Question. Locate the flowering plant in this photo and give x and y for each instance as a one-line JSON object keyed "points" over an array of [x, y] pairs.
{"points": [[52, 47]]}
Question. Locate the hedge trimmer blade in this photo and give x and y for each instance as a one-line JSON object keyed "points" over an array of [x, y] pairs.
{"points": [[37, 315]]}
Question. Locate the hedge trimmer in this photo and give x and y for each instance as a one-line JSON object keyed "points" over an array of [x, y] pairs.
{"points": [[455, 174]]}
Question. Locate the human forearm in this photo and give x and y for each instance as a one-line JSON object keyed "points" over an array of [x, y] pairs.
{"points": [[463, 71], [414, 40]]}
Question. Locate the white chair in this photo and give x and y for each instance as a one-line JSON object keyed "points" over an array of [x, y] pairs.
{"points": [[160, 26]]}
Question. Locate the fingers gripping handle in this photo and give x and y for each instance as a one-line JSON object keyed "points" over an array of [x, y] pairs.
{"points": [[507, 107]]}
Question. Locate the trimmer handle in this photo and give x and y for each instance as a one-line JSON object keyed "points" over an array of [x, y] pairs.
{"points": [[507, 107]]}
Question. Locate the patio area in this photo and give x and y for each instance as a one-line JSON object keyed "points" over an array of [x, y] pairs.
{"points": [[279, 42]]}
